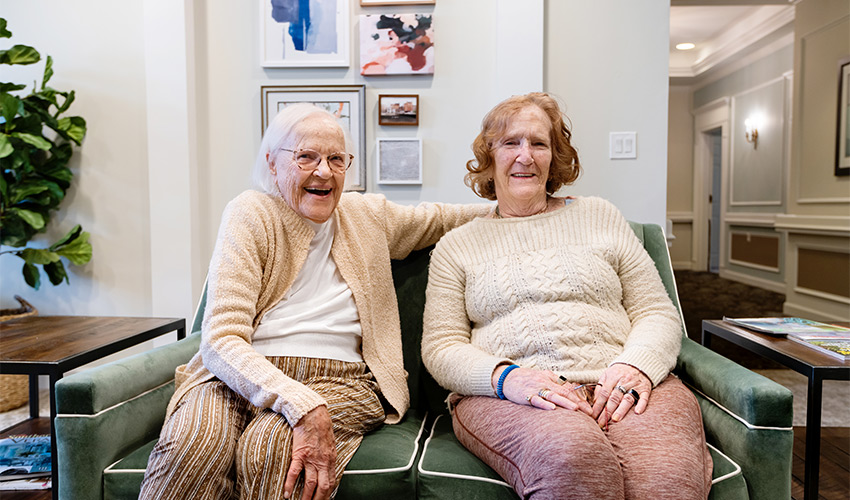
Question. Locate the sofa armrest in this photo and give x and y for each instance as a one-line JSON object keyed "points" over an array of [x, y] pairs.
{"points": [[105, 412], [746, 416]]}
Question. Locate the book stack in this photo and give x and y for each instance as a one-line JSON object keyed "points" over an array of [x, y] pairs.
{"points": [[25, 462], [824, 337]]}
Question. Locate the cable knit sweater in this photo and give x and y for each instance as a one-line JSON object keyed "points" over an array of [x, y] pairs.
{"points": [[571, 291], [261, 246]]}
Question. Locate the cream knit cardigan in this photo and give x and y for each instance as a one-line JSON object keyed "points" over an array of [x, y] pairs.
{"points": [[571, 291], [261, 246]]}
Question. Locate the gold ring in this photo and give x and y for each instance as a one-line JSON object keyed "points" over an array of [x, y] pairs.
{"points": [[543, 393]]}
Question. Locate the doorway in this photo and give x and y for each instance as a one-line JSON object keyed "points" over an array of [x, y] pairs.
{"points": [[715, 141]]}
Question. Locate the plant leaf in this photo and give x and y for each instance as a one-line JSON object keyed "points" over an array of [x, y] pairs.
{"points": [[19, 54], [74, 126], [10, 106], [11, 87], [5, 146], [35, 220], [70, 236], [38, 255], [77, 251], [48, 71], [31, 275], [25, 189], [39, 142], [56, 272], [4, 33]]}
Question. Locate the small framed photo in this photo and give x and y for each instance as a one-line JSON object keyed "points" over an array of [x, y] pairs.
{"points": [[367, 3], [346, 102], [398, 109], [842, 141], [314, 37], [399, 161]]}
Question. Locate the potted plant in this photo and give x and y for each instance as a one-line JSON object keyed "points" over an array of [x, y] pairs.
{"points": [[35, 147]]}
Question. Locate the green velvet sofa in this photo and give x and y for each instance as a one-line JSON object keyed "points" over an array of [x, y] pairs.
{"points": [[109, 418]]}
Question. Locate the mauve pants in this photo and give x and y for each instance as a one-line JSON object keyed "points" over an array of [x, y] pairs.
{"points": [[561, 454]]}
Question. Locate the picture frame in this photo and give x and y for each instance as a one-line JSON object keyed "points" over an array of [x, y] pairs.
{"points": [[399, 160], [369, 3], [324, 40], [346, 102], [842, 140], [398, 109], [397, 44]]}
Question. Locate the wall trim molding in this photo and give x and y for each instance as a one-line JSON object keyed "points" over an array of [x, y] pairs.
{"points": [[773, 286], [680, 217], [792, 309], [750, 219], [828, 225], [807, 201]]}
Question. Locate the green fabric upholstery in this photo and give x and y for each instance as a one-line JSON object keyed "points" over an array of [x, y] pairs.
{"points": [[110, 417]]}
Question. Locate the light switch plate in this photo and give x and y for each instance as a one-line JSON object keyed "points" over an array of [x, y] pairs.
{"points": [[622, 145]]}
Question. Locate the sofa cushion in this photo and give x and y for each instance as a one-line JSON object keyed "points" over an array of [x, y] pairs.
{"points": [[727, 481], [447, 470], [383, 466]]}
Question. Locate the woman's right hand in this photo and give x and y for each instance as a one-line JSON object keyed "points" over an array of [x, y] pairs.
{"points": [[525, 386], [314, 452]]}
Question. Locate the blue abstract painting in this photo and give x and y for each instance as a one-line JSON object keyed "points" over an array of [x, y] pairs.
{"points": [[305, 33]]}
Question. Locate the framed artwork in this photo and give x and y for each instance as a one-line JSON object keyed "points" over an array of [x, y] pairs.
{"points": [[346, 102], [366, 3], [842, 141], [395, 109], [297, 34], [396, 44], [399, 161]]}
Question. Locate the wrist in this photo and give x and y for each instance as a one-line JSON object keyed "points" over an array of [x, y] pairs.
{"points": [[501, 382]]}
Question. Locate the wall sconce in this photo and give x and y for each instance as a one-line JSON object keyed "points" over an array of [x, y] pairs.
{"points": [[751, 133]]}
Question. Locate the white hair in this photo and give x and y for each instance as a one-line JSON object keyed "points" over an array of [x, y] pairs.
{"points": [[281, 129]]}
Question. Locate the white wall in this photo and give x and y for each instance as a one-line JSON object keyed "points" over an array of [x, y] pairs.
{"points": [[607, 60]]}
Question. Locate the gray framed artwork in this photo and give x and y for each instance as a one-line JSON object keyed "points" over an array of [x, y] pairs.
{"points": [[399, 160]]}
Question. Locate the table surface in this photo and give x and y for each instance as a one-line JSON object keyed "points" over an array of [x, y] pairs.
{"points": [[781, 345], [54, 339]]}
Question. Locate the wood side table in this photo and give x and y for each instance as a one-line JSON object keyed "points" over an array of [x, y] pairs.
{"points": [[54, 345], [815, 365]]}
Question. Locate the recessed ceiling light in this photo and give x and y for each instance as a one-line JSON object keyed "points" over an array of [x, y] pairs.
{"points": [[685, 46]]}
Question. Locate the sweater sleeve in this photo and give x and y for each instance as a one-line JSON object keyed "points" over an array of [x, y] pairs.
{"points": [[447, 352], [235, 282], [410, 228], [655, 338]]}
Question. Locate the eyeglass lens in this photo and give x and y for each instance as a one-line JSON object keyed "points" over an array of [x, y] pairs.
{"points": [[308, 159]]}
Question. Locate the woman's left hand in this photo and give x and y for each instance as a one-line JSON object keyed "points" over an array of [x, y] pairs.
{"points": [[614, 396], [314, 452]]}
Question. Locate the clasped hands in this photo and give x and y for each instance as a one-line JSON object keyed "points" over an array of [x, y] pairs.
{"points": [[611, 397]]}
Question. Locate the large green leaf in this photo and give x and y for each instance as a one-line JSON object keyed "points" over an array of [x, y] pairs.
{"points": [[69, 99], [11, 87], [5, 146], [10, 107], [19, 54], [74, 126], [38, 255], [25, 190], [34, 140], [48, 71], [78, 251], [31, 275], [69, 236], [35, 220], [4, 33], [56, 272]]}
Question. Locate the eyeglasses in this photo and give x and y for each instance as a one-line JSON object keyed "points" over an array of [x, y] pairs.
{"points": [[309, 160]]}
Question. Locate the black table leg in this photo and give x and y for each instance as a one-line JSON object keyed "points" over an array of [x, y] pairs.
{"points": [[813, 417], [54, 457], [33, 396]]}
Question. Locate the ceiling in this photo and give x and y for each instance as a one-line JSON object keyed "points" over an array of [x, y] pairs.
{"points": [[725, 32]]}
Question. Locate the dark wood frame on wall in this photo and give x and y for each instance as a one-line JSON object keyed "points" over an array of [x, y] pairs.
{"points": [[388, 120], [842, 128]]}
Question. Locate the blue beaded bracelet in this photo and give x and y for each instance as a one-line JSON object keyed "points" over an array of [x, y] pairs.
{"points": [[501, 383]]}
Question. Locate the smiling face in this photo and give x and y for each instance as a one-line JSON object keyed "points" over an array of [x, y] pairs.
{"points": [[311, 194], [522, 158]]}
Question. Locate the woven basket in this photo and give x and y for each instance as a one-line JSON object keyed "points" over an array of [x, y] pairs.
{"points": [[14, 389]]}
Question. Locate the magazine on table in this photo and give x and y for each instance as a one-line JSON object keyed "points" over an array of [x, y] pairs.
{"points": [[34, 483], [23, 457], [785, 326], [835, 344]]}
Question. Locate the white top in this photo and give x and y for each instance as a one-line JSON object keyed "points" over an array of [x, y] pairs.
{"points": [[317, 317]]}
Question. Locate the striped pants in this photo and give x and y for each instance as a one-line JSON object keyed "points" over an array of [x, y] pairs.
{"points": [[217, 445]]}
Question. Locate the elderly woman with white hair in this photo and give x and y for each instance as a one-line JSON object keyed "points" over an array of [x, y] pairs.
{"points": [[301, 348]]}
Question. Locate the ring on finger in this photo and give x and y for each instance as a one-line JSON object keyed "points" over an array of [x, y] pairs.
{"points": [[623, 389], [633, 393], [543, 393], [528, 398]]}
